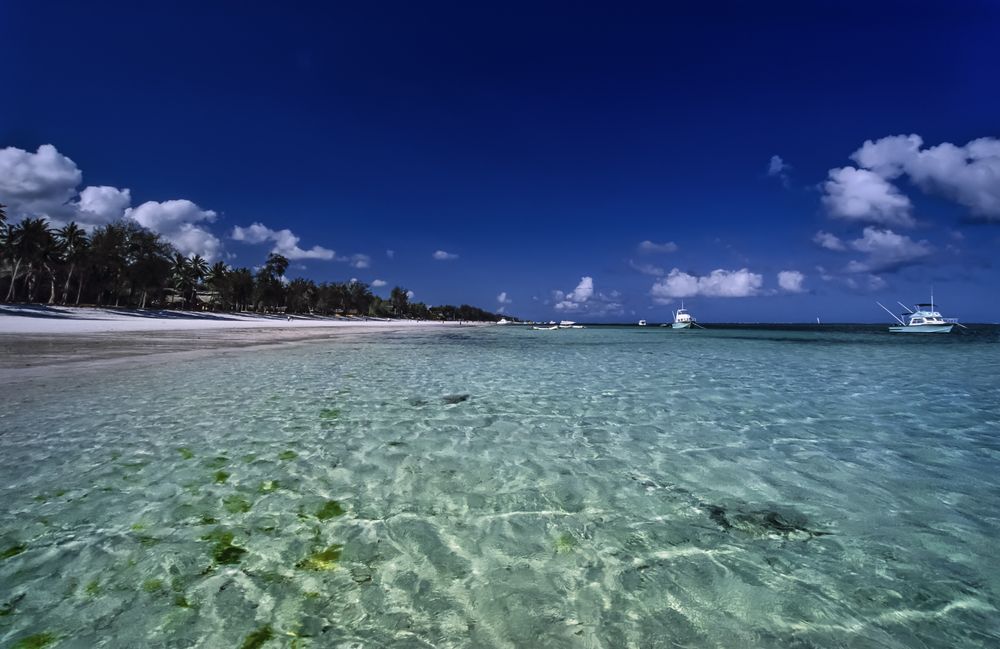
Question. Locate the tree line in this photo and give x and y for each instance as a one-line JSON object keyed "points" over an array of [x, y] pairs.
{"points": [[123, 264]]}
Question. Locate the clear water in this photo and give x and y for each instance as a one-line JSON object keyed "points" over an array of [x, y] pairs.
{"points": [[604, 487]]}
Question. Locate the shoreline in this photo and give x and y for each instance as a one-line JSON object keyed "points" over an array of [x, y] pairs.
{"points": [[41, 343]]}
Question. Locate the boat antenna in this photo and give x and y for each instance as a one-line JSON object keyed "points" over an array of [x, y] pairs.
{"points": [[892, 314]]}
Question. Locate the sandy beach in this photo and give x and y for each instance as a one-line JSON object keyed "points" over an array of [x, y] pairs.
{"points": [[39, 342]]}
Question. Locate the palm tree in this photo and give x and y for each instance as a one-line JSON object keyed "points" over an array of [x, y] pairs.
{"points": [[199, 269], [182, 276], [26, 241], [74, 242], [3, 214], [217, 279]]}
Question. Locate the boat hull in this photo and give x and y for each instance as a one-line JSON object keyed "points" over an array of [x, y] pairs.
{"points": [[922, 329], [682, 325]]}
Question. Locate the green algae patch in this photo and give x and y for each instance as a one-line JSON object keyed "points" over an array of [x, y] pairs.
{"points": [[328, 413], [256, 639], [565, 543], [12, 551], [185, 452], [36, 641], [223, 550], [152, 585], [268, 486], [236, 504], [249, 457], [93, 589], [180, 601], [217, 462], [325, 560], [330, 510], [221, 477], [288, 455]]}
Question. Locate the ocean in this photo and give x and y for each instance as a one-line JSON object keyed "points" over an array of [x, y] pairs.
{"points": [[754, 486]]}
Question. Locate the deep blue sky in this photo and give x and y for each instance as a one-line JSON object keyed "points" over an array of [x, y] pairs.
{"points": [[540, 143]]}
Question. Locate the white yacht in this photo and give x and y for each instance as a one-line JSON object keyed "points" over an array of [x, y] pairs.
{"points": [[923, 319], [642, 323], [683, 319]]}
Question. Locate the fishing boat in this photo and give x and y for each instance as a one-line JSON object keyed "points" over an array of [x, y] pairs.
{"points": [[642, 323], [924, 318], [683, 319]]}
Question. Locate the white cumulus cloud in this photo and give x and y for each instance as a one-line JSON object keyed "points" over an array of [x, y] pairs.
{"points": [[285, 243], [791, 281], [585, 299], [829, 241], [720, 283], [442, 255], [379, 283], [178, 222], [968, 175], [649, 246], [886, 250], [43, 184], [865, 196], [105, 203], [503, 299]]}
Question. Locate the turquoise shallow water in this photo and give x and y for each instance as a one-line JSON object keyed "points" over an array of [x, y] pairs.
{"points": [[501, 487]]}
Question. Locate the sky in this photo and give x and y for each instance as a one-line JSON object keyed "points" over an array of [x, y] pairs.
{"points": [[586, 161]]}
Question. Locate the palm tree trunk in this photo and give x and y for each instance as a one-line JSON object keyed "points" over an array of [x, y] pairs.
{"points": [[65, 297], [10, 293]]}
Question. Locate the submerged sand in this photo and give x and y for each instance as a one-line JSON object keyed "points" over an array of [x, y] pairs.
{"points": [[39, 343]]}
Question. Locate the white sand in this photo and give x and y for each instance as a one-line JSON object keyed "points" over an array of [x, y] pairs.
{"points": [[42, 344], [16, 319]]}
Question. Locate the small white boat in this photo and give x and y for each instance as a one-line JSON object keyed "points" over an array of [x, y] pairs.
{"points": [[683, 319], [923, 319], [552, 328], [566, 323], [642, 323]]}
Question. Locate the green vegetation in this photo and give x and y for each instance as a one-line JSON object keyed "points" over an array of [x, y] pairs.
{"points": [[123, 264], [12, 551], [221, 477], [223, 550], [152, 585], [288, 455], [236, 504], [330, 510], [327, 413], [186, 452], [323, 560], [565, 543], [257, 639], [36, 641]]}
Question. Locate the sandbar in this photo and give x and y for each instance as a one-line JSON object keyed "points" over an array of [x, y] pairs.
{"points": [[41, 343]]}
